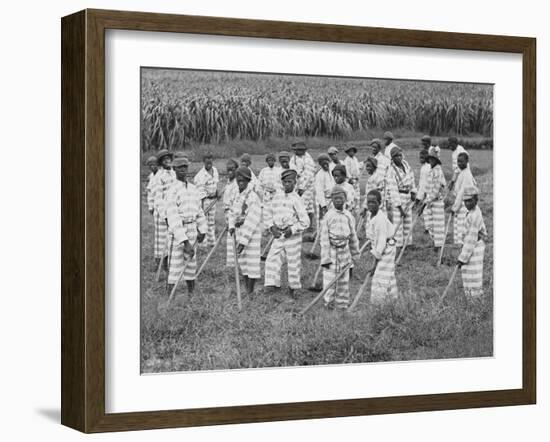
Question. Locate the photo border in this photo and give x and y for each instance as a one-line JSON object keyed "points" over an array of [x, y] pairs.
{"points": [[83, 220]]}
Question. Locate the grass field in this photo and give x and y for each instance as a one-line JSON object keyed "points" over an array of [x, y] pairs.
{"points": [[207, 332]]}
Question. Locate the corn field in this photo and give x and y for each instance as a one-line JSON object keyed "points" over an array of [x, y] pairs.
{"points": [[182, 107]]}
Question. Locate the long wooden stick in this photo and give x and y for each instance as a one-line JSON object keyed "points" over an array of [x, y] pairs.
{"points": [[220, 236], [331, 283], [263, 256], [180, 276], [311, 254], [316, 277], [406, 240], [237, 280], [446, 291], [444, 240], [361, 291]]}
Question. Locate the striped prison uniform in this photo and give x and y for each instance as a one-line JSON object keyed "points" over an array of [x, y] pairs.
{"points": [[207, 185], [350, 196], [338, 243], [268, 183], [305, 168], [331, 165], [400, 185], [472, 252], [435, 209], [185, 221], [380, 232], [247, 208], [387, 150], [354, 169], [376, 181], [230, 193], [425, 170], [382, 168], [454, 158], [286, 210], [464, 180], [324, 182], [149, 191], [162, 183]]}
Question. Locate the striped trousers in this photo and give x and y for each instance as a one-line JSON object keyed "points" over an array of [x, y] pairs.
{"points": [[405, 228], [472, 271], [284, 248], [458, 225], [211, 223], [308, 199], [178, 258], [436, 215], [249, 259], [161, 234], [384, 284], [339, 292], [230, 260]]}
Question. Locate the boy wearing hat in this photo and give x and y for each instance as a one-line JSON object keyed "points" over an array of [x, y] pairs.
{"points": [[338, 244], [246, 161], [229, 194], [245, 219], [269, 180], [186, 223], [206, 181], [434, 205], [354, 169], [464, 180], [388, 142], [401, 191], [303, 164], [456, 149], [426, 142], [284, 160], [470, 260], [425, 169], [324, 182], [153, 167], [380, 232], [333, 154], [340, 179], [164, 178], [286, 217]]}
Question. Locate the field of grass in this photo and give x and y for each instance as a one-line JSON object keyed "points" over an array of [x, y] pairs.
{"points": [[207, 332]]}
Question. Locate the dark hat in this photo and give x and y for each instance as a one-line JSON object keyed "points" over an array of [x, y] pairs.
{"points": [[299, 145], [232, 161], [373, 161], [244, 172], [270, 155], [351, 147], [288, 172], [426, 138], [388, 135], [452, 140], [395, 150], [151, 160], [180, 161], [246, 157], [341, 168], [332, 149], [284, 153], [323, 157], [164, 153], [376, 141], [338, 190]]}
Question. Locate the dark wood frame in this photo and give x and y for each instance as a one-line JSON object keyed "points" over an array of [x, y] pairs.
{"points": [[83, 218]]}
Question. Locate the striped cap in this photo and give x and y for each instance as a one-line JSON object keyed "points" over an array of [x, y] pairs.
{"points": [[323, 157], [395, 150], [283, 154], [470, 192], [180, 161], [151, 160], [164, 153], [388, 135], [337, 190], [377, 141], [288, 172], [244, 172], [332, 149], [299, 145]]}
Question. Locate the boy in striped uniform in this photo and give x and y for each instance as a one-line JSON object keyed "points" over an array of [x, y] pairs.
{"points": [[286, 218], [269, 180], [464, 180], [340, 179], [457, 149], [375, 181], [245, 219], [153, 167], [380, 232], [425, 169], [354, 169], [303, 164], [206, 181], [230, 193], [470, 260], [324, 182], [333, 154], [434, 205], [187, 224], [388, 143], [401, 192], [383, 165], [339, 244], [164, 178]]}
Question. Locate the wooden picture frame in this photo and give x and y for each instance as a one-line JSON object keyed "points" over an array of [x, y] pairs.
{"points": [[83, 220]]}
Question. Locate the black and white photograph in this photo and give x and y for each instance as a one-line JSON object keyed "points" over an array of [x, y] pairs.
{"points": [[302, 220]]}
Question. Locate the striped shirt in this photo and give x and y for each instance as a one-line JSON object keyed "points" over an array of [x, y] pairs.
{"points": [[464, 180], [149, 190], [184, 207], [389, 147], [436, 184], [379, 231], [337, 230], [324, 182], [229, 194], [305, 168], [399, 181], [383, 163], [353, 167], [475, 230], [246, 207], [425, 170], [287, 210], [207, 182], [350, 195], [376, 181], [163, 181], [269, 181]]}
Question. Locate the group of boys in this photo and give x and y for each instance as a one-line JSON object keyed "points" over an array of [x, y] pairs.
{"points": [[284, 199]]}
